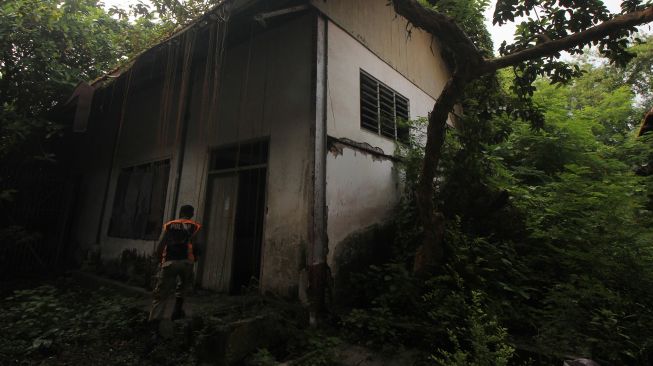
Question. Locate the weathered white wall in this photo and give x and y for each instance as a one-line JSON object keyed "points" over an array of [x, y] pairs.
{"points": [[376, 26], [266, 93], [347, 57], [362, 189]]}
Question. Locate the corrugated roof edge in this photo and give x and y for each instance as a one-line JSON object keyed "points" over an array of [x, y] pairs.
{"points": [[120, 69]]}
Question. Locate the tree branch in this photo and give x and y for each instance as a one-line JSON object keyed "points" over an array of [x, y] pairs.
{"points": [[467, 57], [550, 48]]}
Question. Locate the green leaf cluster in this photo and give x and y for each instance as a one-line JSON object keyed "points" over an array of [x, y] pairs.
{"points": [[46, 48], [469, 16], [46, 320]]}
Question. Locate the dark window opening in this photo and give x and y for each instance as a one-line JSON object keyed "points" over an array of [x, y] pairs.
{"points": [[383, 110], [139, 201]]}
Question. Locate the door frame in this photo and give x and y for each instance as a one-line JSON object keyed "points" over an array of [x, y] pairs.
{"points": [[210, 173]]}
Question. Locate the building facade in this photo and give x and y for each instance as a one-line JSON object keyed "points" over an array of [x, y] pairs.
{"points": [[277, 120]]}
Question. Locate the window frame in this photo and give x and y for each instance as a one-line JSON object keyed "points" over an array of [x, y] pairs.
{"points": [[126, 175], [383, 93]]}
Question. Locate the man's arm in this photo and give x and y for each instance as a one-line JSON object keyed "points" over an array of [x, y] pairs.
{"points": [[162, 243], [197, 252]]}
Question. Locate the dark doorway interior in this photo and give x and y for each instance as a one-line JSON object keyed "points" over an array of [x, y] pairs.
{"points": [[248, 232]]}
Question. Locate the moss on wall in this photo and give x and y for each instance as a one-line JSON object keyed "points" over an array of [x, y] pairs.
{"points": [[353, 256]]}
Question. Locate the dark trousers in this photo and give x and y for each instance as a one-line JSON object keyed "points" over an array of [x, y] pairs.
{"points": [[174, 278]]}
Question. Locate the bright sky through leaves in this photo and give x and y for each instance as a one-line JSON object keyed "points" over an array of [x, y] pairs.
{"points": [[499, 34], [505, 32]]}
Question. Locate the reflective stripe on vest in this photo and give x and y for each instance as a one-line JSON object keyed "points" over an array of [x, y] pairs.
{"points": [[189, 246]]}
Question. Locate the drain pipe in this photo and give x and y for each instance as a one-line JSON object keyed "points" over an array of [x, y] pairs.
{"points": [[318, 267]]}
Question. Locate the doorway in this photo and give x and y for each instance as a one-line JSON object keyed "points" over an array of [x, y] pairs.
{"points": [[235, 210]]}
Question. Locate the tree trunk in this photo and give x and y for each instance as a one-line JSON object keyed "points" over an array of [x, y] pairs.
{"points": [[432, 252]]}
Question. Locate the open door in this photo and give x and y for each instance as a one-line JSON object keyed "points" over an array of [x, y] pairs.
{"points": [[234, 216], [221, 210]]}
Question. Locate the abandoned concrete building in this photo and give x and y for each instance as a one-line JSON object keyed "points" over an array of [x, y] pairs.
{"points": [[277, 120]]}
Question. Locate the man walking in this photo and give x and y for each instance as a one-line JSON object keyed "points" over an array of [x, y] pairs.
{"points": [[176, 270]]}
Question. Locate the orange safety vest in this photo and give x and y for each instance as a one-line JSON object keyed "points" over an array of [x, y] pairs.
{"points": [[184, 230]]}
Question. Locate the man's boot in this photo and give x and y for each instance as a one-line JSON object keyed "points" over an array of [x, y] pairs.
{"points": [[178, 310], [154, 337]]}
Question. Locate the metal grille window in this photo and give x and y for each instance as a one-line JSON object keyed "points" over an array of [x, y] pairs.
{"points": [[383, 110], [139, 201]]}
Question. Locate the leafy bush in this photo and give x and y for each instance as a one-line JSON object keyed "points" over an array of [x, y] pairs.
{"points": [[48, 319], [549, 226], [132, 268], [262, 357], [488, 344], [322, 350]]}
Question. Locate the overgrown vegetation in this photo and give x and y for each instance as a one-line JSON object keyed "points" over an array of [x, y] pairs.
{"points": [[548, 247], [46, 48], [60, 322], [132, 268]]}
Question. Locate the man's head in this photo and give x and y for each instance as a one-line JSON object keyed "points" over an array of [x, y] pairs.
{"points": [[186, 212]]}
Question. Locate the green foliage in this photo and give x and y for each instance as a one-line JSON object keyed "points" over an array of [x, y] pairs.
{"points": [[549, 224], [584, 263], [48, 320], [391, 288], [174, 12], [322, 350], [586, 218], [132, 268], [550, 20], [377, 325], [638, 73], [469, 15], [46, 48], [262, 357], [487, 339], [554, 19]]}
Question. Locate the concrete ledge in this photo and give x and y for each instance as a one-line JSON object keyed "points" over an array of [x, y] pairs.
{"points": [[231, 343]]}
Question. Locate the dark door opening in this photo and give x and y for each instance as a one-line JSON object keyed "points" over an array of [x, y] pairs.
{"points": [[234, 216], [248, 232]]}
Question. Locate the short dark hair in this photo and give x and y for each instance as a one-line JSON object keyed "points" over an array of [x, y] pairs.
{"points": [[186, 211]]}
